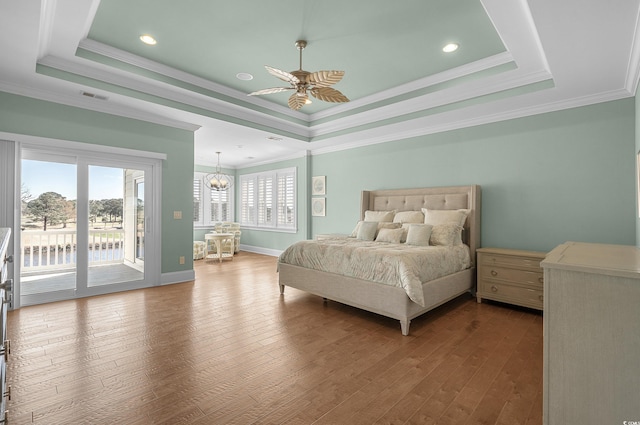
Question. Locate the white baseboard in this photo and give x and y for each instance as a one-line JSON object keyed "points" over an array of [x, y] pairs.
{"points": [[177, 277], [261, 250]]}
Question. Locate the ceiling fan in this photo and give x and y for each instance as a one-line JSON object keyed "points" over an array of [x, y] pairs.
{"points": [[317, 83]]}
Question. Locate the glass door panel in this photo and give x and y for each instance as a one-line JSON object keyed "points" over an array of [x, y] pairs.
{"points": [[114, 233], [48, 235]]}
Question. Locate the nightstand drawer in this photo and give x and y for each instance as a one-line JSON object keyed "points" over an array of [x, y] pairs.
{"points": [[509, 261], [513, 275], [514, 294]]}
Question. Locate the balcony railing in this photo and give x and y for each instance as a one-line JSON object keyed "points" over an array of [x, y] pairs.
{"points": [[56, 249]]}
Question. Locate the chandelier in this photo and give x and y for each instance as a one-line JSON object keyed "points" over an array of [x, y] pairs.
{"points": [[218, 181]]}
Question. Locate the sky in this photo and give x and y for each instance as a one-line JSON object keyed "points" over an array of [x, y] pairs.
{"points": [[41, 176]]}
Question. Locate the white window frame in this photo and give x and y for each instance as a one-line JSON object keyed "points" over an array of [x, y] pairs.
{"points": [[262, 198], [204, 211]]}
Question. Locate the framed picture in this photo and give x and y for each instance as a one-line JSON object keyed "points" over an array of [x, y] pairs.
{"points": [[318, 185], [318, 207]]}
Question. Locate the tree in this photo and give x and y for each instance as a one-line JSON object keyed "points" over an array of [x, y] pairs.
{"points": [[95, 210], [49, 207], [112, 208]]}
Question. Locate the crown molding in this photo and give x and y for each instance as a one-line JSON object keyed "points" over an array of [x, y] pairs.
{"points": [[95, 105], [422, 83], [465, 70], [633, 68], [175, 94], [465, 91], [140, 62]]}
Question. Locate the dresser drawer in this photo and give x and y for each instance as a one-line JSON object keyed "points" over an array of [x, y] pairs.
{"points": [[527, 277], [517, 262], [527, 297]]}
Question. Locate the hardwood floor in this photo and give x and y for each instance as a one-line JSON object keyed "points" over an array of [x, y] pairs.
{"points": [[228, 348]]}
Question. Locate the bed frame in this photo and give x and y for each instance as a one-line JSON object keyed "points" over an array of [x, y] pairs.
{"points": [[388, 300]]}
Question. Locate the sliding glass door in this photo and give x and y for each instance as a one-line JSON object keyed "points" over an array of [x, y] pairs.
{"points": [[48, 226], [85, 226]]}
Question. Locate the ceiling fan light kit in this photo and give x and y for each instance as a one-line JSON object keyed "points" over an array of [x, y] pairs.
{"points": [[304, 82]]}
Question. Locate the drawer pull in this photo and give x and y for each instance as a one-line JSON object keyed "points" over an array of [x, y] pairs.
{"points": [[494, 288], [494, 273], [541, 280]]}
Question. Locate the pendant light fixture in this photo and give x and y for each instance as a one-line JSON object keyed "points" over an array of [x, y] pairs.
{"points": [[218, 181]]}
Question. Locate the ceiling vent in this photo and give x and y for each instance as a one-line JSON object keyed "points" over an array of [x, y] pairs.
{"points": [[93, 95]]}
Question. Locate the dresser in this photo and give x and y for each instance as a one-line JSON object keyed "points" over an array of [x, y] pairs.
{"points": [[510, 276], [591, 343], [5, 348]]}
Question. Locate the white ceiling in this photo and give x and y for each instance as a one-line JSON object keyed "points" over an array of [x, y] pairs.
{"points": [[558, 54]]}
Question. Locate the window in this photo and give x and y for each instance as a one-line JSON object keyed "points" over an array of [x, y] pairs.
{"points": [[210, 206], [268, 199]]}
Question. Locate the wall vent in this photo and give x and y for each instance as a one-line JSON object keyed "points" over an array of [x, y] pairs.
{"points": [[93, 95]]}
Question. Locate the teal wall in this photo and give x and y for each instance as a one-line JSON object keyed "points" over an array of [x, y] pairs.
{"points": [[546, 179], [22, 115]]}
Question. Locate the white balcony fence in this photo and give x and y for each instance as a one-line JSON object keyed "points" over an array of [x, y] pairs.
{"points": [[56, 249]]}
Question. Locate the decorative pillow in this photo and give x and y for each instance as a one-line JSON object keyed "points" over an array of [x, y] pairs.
{"points": [[381, 225], [435, 217], [389, 235], [408, 217], [386, 216], [419, 234], [448, 234], [367, 230], [355, 230]]}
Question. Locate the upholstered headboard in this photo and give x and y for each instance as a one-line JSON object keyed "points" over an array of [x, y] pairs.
{"points": [[435, 198]]}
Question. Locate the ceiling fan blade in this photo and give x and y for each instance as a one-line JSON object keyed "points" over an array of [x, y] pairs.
{"points": [[325, 78], [270, 91], [283, 75], [328, 94], [297, 101]]}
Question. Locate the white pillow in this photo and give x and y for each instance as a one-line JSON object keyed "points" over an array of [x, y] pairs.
{"points": [[389, 235], [408, 217], [367, 230], [435, 217], [386, 216], [448, 234], [419, 234], [381, 225]]}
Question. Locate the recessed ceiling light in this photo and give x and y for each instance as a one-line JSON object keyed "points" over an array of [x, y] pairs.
{"points": [[451, 47], [244, 76], [147, 39]]}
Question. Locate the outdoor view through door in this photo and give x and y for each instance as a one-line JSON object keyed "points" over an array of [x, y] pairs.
{"points": [[80, 234]]}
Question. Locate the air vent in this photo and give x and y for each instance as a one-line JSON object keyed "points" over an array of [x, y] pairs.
{"points": [[94, 96]]}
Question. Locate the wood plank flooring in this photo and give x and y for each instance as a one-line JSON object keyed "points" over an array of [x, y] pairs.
{"points": [[228, 349]]}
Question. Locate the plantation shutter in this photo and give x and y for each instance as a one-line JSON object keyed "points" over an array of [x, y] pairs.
{"points": [[197, 200], [286, 199], [220, 206], [265, 200], [247, 198]]}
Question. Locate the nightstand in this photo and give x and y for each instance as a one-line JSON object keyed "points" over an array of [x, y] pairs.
{"points": [[511, 276]]}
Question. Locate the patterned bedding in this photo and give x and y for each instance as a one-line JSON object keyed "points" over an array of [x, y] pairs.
{"points": [[401, 265]]}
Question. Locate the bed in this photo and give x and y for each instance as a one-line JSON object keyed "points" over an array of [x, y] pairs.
{"points": [[393, 299]]}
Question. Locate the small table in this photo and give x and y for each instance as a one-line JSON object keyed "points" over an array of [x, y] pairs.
{"points": [[218, 239]]}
